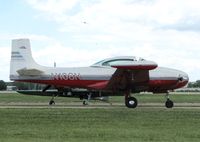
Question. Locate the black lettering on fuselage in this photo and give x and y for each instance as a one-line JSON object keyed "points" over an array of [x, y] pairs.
{"points": [[66, 76]]}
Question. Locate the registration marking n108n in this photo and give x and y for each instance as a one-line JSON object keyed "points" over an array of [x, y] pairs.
{"points": [[66, 76]]}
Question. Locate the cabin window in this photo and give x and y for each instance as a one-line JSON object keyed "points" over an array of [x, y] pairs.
{"points": [[118, 61]]}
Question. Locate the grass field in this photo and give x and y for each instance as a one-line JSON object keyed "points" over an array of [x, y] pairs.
{"points": [[97, 125], [112, 124]]}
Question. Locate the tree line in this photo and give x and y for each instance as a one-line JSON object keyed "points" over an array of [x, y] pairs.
{"points": [[21, 85], [195, 84]]}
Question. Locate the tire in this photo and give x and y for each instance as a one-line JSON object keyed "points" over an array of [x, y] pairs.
{"points": [[85, 103], [169, 104], [52, 102], [131, 102]]}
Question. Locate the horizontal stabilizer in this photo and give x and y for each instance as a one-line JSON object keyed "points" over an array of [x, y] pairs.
{"points": [[29, 72]]}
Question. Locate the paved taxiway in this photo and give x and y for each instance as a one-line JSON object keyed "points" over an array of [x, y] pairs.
{"points": [[95, 105]]}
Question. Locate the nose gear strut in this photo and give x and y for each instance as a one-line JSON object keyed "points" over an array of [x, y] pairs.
{"points": [[169, 103]]}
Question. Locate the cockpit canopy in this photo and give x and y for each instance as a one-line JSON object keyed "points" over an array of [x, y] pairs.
{"points": [[117, 60]]}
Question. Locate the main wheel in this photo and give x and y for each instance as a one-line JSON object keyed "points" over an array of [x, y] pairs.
{"points": [[169, 103], [131, 102]]}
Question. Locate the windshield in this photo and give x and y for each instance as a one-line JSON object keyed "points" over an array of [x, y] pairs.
{"points": [[117, 61]]}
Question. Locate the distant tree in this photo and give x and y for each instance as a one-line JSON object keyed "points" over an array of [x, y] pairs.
{"points": [[190, 85], [198, 83], [194, 84], [3, 85], [26, 86], [21, 85]]}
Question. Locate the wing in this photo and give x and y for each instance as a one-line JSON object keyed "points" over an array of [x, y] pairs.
{"points": [[129, 74]]}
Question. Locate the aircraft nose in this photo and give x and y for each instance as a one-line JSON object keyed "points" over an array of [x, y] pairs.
{"points": [[183, 79]]}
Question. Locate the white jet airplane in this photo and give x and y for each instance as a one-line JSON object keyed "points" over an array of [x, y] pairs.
{"points": [[109, 77]]}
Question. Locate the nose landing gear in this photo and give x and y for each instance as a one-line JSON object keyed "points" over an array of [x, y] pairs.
{"points": [[169, 103]]}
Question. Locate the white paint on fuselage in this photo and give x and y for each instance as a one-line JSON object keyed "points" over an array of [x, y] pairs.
{"points": [[105, 73], [162, 73]]}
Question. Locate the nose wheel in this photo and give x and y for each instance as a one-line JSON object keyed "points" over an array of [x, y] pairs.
{"points": [[169, 103]]}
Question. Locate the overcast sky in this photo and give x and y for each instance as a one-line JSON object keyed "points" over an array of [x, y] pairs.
{"points": [[81, 32]]}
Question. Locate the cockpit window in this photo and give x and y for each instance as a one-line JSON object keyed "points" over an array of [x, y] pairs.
{"points": [[117, 61]]}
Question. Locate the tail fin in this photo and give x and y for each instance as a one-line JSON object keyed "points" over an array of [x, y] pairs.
{"points": [[21, 57]]}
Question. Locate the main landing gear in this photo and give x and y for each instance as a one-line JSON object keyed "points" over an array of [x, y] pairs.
{"points": [[130, 102]]}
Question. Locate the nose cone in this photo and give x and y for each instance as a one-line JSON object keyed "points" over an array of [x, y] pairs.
{"points": [[182, 79]]}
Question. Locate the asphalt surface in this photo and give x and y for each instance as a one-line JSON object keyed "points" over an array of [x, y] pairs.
{"points": [[95, 105]]}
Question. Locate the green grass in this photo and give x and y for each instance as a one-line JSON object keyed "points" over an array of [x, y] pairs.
{"points": [[109, 124], [97, 125], [16, 97]]}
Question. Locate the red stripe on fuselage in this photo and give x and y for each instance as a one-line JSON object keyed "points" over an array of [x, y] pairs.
{"points": [[70, 83], [101, 84]]}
